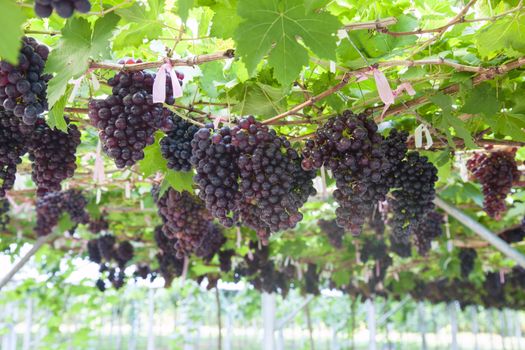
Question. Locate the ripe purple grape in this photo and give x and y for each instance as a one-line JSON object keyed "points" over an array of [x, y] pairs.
{"points": [[63, 8]]}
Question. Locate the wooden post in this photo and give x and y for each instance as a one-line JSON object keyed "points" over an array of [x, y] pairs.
{"points": [[310, 327], [354, 304], [453, 325], [421, 324], [371, 321], [517, 324], [502, 329], [490, 314], [475, 326], [219, 322], [26, 345], [132, 344], [151, 319], [268, 313]]}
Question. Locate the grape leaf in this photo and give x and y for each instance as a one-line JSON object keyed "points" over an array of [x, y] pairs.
{"points": [[225, 20], [506, 35], [184, 8], [12, 18], [142, 25], [273, 27], [78, 44], [311, 5], [258, 99], [153, 160], [55, 117], [481, 99], [180, 180], [507, 124], [446, 120]]}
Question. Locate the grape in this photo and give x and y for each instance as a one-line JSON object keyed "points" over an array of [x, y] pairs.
{"points": [[63, 8], [51, 206], [413, 180], [124, 253], [467, 257], [311, 280], [350, 146], [225, 259], [514, 234], [426, 230], [333, 232], [170, 265], [143, 270], [496, 171], [210, 243], [128, 119], [101, 285], [23, 87], [93, 251], [53, 155], [99, 225], [250, 174], [176, 145], [185, 218], [4, 214], [373, 248], [106, 246], [13, 135]]}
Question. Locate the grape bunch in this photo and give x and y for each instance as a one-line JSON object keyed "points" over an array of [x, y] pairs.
{"points": [[373, 248], [170, 266], [99, 225], [427, 230], [52, 153], [334, 233], [248, 173], [176, 145], [210, 243], [128, 118], [23, 87], [514, 234], [185, 218], [225, 259], [64, 8], [51, 206], [350, 146], [412, 198], [496, 171], [4, 214], [467, 257], [13, 136], [311, 280]]}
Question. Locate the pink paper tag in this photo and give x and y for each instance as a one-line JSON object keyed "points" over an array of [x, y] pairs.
{"points": [[159, 85]]}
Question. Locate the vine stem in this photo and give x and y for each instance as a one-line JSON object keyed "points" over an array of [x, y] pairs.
{"points": [[188, 61], [484, 74]]}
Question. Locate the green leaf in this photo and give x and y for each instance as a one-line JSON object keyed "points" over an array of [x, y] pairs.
{"points": [[180, 180], [153, 160], [142, 24], [55, 117], [225, 20], [507, 124], [272, 27], [311, 5], [78, 44], [506, 35], [482, 99], [12, 19], [446, 120], [258, 99], [184, 8]]}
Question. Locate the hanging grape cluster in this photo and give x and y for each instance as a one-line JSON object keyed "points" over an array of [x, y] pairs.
{"points": [[249, 174], [211, 242], [4, 214], [51, 206], [176, 145], [13, 136], [311, 280], [185, 218], [23, 87], [128, 118], [428, 229], [99, 225], [63, 8], [496, 171], [225, 259], [52, 153], [413, 181], [467, 257], [514, 234], [333, 232], [170, 266], [350, 146], [262, 272]]}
